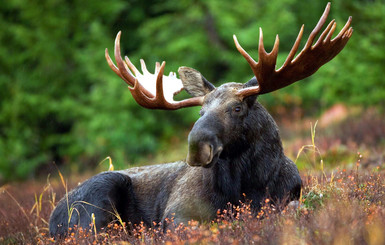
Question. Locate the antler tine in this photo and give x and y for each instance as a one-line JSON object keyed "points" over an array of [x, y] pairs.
{"points": [[248, 58], [157, 67], [141, 95], [144, 67], [327, 33], [344, 30], [265, 57], [254, 65], [144, 100], [318, 27], [159, 84], [120, 63], [266, 61], [294, 49], [123, 69], [112, 66], [265, 66], [308, 61], [131, 66], [159, 101]]}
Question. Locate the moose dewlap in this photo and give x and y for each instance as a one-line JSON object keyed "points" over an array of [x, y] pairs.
{"points": [[235, 151]]}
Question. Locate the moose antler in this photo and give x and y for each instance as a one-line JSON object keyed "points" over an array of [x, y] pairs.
{"points": [[308, 61], [152, 91]]}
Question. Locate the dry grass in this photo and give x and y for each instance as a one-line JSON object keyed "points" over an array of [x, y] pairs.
{"points": [[346, 207], [342, 202]]}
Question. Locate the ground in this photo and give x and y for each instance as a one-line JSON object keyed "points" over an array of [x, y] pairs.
{"points": [[343, 199]]}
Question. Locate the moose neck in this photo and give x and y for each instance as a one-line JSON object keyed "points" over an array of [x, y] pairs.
{"points": [[249, 162]]}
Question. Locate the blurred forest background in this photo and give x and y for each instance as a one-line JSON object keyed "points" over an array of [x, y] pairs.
{"points": [[60, 104]]}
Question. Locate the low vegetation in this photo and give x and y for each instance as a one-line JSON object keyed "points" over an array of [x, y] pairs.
{"points": [[341, 207], [340, 203], [59, 101]]}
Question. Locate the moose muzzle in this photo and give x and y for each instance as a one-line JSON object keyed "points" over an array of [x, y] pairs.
{"points": [[204, 145]]}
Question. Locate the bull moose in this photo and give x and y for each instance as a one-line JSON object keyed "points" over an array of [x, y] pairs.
{"points": [[234, 148]]}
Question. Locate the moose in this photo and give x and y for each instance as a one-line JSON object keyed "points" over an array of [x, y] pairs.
{"points": [[234, 149]]}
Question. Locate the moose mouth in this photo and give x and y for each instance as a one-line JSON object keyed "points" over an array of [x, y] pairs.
{"points": [[203, 155]]}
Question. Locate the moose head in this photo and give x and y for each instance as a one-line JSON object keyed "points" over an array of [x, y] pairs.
{"points": [[226, 109]]}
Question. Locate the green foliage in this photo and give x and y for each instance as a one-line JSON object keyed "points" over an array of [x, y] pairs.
{"points": [[59, 101], [314, 199]]}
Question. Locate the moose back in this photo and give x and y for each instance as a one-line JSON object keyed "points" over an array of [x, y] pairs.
{"points": [[234, 151]]}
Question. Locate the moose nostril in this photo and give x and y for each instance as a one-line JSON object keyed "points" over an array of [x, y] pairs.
{"points": [[200, 154], [206, 154]]}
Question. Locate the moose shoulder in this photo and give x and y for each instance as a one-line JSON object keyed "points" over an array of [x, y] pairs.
{"points": [[235, 151]]}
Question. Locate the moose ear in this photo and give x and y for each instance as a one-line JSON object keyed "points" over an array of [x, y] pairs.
{"points": [[194, 83], [251, 83], [250, 100]]}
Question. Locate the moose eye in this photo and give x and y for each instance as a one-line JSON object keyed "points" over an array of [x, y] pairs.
{"points": [[237, 109]]}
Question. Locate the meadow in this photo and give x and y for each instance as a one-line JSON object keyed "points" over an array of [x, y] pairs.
{"points": [[342, 202], [63, 113]]}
